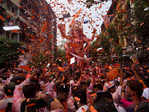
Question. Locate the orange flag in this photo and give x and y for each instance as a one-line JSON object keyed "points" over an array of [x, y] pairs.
{"points": [[77, 99], [28, 76], [22, 51], [61, 69], [94, 94], [106, 21], [2, 18], [15, 31], [44, 27], [83, 110], [2, 110], [92, 109], [26, 68], [76, 16]]}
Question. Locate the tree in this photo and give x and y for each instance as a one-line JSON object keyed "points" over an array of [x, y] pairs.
{"points": [[117, 32], [141, 12], [89, 3], [9, 52]]}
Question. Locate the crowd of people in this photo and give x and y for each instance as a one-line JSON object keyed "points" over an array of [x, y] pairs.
{"points": [[92, 89]]}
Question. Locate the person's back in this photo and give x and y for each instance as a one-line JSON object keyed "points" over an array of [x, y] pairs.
{"points": [[82, 103], [143, 107], [7, 101], [31, 103], [104, 102]]}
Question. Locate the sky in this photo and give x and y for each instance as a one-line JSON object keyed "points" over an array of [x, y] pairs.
{"points": [[89, 17]]}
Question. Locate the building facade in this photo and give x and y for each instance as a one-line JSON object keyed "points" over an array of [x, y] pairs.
{"points": [[9, 10], [40, 18], [29, 15]]}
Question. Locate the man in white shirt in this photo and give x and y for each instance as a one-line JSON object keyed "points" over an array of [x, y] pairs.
{"points": [[146, 93]]}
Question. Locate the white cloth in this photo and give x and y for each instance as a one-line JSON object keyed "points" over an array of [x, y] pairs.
{"points": [[146, 93], [108, 85], [84, 107], [119, 108], [57, 110], [117, 94], [18, 96], [49, 87], [70, 103], [4, 103]]}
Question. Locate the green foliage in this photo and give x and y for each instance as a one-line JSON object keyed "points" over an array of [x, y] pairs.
{"points": [[91, 2], [8, 52], [60, 53], [109, 41], [39, 61], [142, 21], [122, 31], [112, 39]]}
